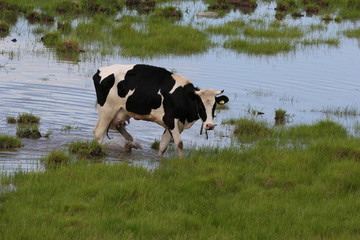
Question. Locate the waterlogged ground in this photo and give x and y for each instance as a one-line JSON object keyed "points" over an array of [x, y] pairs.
{"points": [[306, 83]]}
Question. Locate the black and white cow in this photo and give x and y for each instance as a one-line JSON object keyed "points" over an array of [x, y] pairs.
{"points": [[153, 94]]}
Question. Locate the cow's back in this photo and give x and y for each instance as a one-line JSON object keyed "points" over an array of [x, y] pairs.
{"points": [[145, 86]]}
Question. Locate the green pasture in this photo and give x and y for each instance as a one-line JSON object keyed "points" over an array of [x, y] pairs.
{"points": [[299, 182]]}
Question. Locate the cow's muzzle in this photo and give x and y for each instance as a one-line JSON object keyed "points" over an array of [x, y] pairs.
{"points": [[209, 126]]}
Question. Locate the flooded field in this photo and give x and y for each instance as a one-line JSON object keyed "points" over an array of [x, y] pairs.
{"points": [[309, 83]]}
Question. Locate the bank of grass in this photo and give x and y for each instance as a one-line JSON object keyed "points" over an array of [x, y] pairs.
{"points": [[266, 190]]}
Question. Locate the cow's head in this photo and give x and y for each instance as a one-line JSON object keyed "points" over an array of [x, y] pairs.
{"points": [[208, 98]]}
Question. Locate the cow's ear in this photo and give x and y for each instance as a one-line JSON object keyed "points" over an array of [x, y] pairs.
{"points": [[221, 99]]}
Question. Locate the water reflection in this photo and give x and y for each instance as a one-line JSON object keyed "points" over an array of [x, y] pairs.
{"points": [[60, 90]]}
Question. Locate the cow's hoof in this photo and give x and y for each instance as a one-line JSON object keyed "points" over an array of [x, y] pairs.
{"points": [[132, 144]]}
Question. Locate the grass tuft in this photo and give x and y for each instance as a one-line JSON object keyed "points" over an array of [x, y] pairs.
{"points": [[155, 145], [266, 47], [28, 118], [28, 131], [249, 130], [55, 159], [87, 149], [7, 142], [353, 33], [10, 120]]}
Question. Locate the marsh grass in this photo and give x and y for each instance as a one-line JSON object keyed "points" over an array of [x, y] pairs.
{"points": [[4, 27], [8, 142], [353, 33], [87, 149], [274, 31], [249, 130], [155, 145], [55, 159], [229, 28], [262, 47], [266, 190], [281, 116], [11, 120], [183, 40], [340, 111], [28, 118], [28, 131], [330, 41]]}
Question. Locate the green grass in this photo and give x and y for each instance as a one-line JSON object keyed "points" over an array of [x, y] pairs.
{"points": [[341, 111], [56, 159], [7, 142], [155, 145], [249, 130], [99, 30], [11, 120], [273, 32], [353, 33], [330, 41], [267, 190], [28, 118], [263, 47], [229, 28], [145, 42], [28, 131], [87, 149], [4, 27]]}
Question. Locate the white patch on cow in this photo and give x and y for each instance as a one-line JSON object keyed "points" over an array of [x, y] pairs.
{"points": [[118, 70], [180, 81]]}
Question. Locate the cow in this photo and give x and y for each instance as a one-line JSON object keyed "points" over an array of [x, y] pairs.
{"points": [[151, 93]]}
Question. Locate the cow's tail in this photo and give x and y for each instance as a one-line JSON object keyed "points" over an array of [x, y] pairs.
{"points": [[107, 131]]}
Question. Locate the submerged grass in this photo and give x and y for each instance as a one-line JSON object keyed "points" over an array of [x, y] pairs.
{"points": [[262, 191], [341, 111]]}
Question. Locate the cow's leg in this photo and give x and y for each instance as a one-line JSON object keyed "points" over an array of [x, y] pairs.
{"points": [[123, 132], [177, 138], [105, 116], [164, 143]]}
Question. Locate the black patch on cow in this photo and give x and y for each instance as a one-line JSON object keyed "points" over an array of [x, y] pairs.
{"points": [[103, 87], [146, 82], [223, 98], [182, 104]]}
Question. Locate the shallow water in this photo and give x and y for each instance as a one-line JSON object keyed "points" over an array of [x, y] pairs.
{"points": [[304, 82]]}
